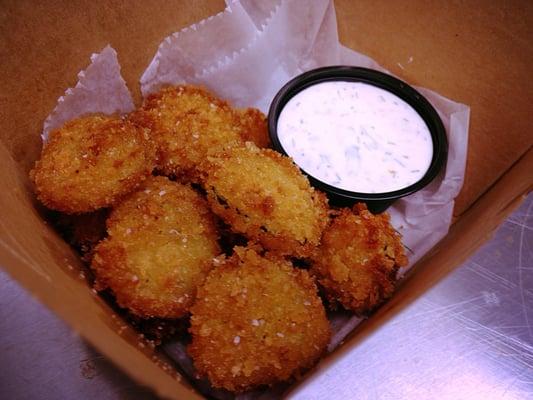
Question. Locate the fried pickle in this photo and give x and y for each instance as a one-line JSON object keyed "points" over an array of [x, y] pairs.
{"points": [[161, 242], [189, 123], [357, 261], [253, 127], [256, 321], [263, 195], [91, 162]]}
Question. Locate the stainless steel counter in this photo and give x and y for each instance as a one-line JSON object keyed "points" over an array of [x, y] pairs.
{"points": [[470, 337]]}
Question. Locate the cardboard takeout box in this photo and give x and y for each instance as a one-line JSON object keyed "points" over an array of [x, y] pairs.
{"points": [[478, 54]]}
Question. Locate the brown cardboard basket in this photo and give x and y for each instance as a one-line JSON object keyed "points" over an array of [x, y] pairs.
{"points": [[478, 54]]}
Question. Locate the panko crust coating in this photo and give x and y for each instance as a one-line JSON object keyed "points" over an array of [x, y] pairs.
{"points": [[357, 261], [161, 243], [253, 126], [256, 321], [189, 123], [263, 195], [91, 162]]}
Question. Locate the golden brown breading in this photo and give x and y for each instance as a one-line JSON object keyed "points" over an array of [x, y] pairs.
{"points": [[358, 258], [253, 127], [256, 321], [189, 123], [91, 162], [263, 195], [161, 243]]}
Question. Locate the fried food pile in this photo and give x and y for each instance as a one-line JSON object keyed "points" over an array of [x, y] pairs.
{"points": [[183, 211]]}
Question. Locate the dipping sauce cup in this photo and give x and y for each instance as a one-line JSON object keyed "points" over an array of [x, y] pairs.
{"points": [[359, 135]]}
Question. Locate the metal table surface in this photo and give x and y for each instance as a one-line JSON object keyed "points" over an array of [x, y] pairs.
{"points": [[470, 337]]}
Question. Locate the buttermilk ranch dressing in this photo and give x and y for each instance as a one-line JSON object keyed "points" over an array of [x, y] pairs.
{"points": [[355, 136]]}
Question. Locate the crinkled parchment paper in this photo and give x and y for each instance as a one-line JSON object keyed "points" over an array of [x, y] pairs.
{"points": [[245, 54], [100, 89]]}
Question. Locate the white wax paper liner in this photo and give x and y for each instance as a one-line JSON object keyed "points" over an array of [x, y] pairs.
{"points": [[100, 89], [285, 47], [198, 47]]}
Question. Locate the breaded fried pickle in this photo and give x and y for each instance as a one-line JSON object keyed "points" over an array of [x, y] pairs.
{"points": [[253, 127], [189, 123], [91, 162], [256, 321], [161, 243], [358, 258], [263, 195]]}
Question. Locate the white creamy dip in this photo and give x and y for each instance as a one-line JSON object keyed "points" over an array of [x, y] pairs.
{"points": [[355, 136]]}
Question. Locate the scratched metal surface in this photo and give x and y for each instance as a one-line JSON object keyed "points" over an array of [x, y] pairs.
{"points": [[470, 337]]}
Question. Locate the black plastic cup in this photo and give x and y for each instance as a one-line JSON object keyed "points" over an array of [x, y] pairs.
{"points": [[376, 202]]}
